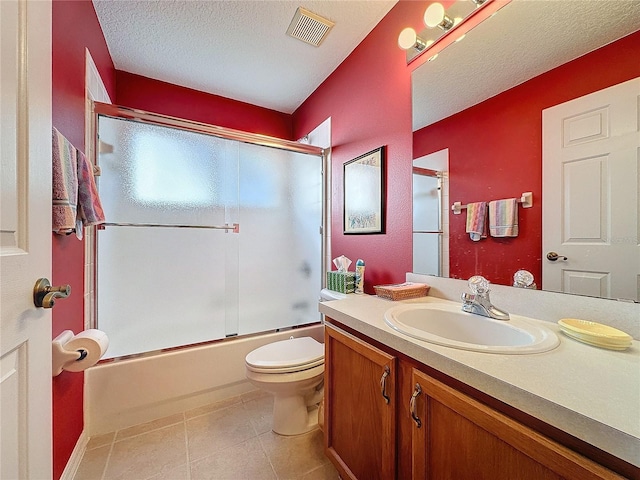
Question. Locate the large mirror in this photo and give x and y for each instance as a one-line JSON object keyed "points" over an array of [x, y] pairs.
{"points": [[478, 113]]}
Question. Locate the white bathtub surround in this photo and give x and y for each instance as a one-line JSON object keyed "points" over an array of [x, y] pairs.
{"points": [[129, 392], [588, 392]]}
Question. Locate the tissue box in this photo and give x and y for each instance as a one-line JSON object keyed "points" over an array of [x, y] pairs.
{"points": [[343, 282]]}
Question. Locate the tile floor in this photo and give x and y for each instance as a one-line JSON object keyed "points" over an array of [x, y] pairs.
{"points": [[229, 440]]}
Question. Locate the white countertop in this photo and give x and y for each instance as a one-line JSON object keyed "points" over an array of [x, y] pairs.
{"points": [[588, 392]]}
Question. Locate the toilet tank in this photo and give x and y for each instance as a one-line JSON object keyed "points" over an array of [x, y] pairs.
{"points": [[327, 295]]}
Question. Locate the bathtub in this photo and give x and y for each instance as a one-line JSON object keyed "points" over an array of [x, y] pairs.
{"points": [[128, 392]]}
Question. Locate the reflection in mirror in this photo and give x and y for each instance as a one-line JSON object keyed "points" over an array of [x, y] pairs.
{"points": [[483, 99], [445, 26], [430, 219]]}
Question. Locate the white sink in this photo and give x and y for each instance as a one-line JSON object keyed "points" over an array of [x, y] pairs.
{"points": [[448, 325]]}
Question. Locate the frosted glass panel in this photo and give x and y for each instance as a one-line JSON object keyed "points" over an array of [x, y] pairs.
{"points": [[160, 287], [426, 256], [154, 174], [426, 203], [280, 213]]}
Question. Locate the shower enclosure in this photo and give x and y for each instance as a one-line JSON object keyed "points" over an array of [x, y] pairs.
{"points": [[427, 221], [210, 233]]}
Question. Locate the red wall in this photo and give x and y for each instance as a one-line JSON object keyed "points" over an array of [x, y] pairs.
{"points": [[75, 27], [368, 98], [160, 97], [506, 158]]}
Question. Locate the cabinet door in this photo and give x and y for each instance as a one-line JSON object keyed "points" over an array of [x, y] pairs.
{"points": [[360, 402], [460, 438]]}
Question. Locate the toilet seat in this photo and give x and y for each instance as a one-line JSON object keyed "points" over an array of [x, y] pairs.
{"points": [[286, 356]]}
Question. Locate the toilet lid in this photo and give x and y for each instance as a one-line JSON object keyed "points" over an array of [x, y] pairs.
{"points": [[293, 352]]}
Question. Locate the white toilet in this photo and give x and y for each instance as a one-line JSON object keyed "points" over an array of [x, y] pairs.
{"points": [[293, 372]]}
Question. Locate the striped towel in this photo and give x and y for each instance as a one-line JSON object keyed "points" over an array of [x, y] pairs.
{"points": [[503, 218], [476, 220], [65, 184], [89, 206]]}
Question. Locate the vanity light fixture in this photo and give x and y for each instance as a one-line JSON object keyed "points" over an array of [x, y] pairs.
{"points": [[408, 38], [435, 16], [461, 16]]}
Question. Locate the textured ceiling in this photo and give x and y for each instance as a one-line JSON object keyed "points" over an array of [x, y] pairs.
{"points": [[524, 39], [237, 49]]}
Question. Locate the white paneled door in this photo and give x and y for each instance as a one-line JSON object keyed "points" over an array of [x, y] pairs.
{"points": [[591, 153], [25, 238]]}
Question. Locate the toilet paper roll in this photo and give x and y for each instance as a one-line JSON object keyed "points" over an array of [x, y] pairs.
{"points": [[94, 342]]}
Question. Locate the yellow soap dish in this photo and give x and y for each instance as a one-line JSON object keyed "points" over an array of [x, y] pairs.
{"points": [[596, 342], [594, 330]]}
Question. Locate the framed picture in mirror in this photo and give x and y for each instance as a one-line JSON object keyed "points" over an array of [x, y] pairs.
{"points": [[364, 193]]}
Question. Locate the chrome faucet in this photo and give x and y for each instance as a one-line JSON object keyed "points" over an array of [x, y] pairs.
{"points": [[478, 301]]}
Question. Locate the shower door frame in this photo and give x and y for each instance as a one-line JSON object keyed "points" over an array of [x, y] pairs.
{"points": [[141, 116]]}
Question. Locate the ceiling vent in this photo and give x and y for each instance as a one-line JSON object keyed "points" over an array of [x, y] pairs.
{"points": [[309, 27]]}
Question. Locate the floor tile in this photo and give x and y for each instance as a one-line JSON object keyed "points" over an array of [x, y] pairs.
{"points": [[178, 473], [100, 440], [149, 426], [325, 472], [260, 412], [93, 463], [212, 407], [218, 430], [293, 457], [148, 454], [229, 440], [246, 460]]}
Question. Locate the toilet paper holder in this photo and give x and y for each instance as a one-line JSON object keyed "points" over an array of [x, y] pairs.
{"points": [[61, 356]]}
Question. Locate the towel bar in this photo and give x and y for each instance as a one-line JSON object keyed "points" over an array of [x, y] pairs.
{"points": [[526, 199]]}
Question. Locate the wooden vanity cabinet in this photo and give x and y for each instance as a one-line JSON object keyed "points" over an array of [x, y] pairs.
{"points": [[459, 438], [456, 437], [360, 403]]}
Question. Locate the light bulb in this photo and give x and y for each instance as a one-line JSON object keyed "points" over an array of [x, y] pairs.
{"points": [[433, 15], [407, 38]]}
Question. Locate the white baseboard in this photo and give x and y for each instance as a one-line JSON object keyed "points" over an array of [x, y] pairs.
{"points": [[76, 457]]}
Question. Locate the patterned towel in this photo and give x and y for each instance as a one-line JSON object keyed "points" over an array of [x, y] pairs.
{"points": [[89, 206], [503, 218], [476, 220], [65, 184]]}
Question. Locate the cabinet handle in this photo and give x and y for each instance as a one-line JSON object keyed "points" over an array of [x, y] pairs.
{"points": [[383, 383], [412, 405]]}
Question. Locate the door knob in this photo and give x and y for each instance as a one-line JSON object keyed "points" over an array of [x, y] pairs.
{"points": [[44, 295], [553, 256]]}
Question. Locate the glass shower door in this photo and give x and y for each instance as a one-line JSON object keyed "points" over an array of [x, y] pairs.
{"points": [[279, 256], [172, 269], [162, 276], [427, 223]]}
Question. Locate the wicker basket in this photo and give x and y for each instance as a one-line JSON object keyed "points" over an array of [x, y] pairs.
{"points": [[402, 291]]}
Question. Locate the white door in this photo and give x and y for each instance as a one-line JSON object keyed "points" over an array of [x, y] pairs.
{"points": [[25, 238], [590, 152]]}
